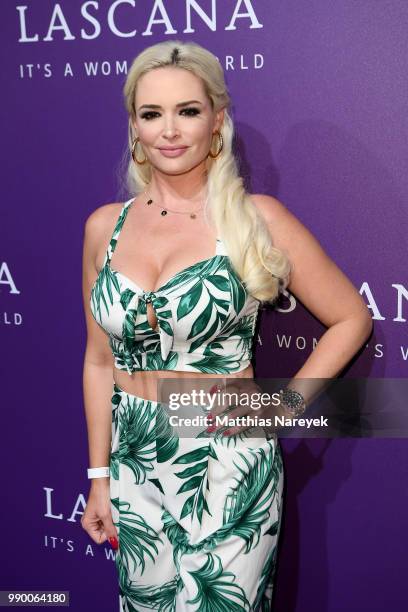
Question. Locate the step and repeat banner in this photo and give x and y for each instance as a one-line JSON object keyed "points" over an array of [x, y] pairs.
{"points": [[319, 95]]}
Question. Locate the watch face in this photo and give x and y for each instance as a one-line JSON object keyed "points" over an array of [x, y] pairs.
{"points": [[292, 398], [293, 401]]}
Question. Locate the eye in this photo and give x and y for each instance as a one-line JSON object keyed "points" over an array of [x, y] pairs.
{"points": [[148, 114], [192, 112]]}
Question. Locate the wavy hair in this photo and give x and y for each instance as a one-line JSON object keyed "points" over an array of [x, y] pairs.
{"points": [[263, 269]]}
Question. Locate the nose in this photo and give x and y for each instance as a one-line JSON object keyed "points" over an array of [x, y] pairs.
{"points": [[170, 128], [170, 132]]}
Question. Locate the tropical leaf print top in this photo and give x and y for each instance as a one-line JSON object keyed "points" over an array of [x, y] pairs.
{"points": [[205, 317]]}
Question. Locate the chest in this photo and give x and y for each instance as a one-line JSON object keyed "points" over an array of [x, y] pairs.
{"points": [[150, 255]]}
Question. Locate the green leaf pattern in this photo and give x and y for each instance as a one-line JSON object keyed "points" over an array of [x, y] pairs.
{"points": [[217, 589], [184, 507], [195, 479]]}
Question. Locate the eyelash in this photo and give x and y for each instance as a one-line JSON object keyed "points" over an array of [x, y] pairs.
{"points": [[191, 108]]}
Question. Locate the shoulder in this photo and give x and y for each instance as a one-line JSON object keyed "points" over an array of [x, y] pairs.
{"points": [[101, 218], [100, 224], [271, 209], [280, 221], [267, 205]]}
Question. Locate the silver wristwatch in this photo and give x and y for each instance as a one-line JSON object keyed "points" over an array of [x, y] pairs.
{"points": [[293, 401]]}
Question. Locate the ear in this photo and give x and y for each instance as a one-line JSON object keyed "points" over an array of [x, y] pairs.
{"points": [[219, 119]]}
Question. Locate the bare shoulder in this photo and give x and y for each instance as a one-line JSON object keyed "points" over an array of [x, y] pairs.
{"points": [[101, 219], [287, 231], [267, 205], [282, 224], [99, 226], [315, 278]]}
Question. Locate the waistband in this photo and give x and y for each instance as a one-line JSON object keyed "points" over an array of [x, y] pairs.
{"points": [[138, 398]]}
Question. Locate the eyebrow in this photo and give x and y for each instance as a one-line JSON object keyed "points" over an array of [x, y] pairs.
{"points": [[177, 105]]}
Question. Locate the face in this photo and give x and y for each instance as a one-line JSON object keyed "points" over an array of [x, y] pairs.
{"points": [[164, 121]]}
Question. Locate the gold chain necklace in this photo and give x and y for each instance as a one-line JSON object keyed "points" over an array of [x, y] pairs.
{"points": [[165, 210]]}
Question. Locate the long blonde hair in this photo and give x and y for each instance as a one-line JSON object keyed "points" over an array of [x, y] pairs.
{"points": [[263, 268]]}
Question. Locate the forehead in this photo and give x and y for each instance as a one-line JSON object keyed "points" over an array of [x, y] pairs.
{"points": [[168, 84]]}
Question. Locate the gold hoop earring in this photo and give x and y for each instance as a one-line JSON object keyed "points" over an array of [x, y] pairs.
{"points": [[134, 143], [221, 145]]}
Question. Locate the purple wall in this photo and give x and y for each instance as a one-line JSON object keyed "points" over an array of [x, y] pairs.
{"points": [[320, 105]]}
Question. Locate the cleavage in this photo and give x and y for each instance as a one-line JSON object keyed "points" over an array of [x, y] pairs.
{"points": [[130, 240]]}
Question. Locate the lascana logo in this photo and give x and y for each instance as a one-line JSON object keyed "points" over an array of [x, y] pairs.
{"points": [[6, 279], [77, 509], [401, 297], [59, 27]]}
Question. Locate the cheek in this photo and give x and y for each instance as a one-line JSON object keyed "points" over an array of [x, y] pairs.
{"points": [[201, 134], [148, 133]]}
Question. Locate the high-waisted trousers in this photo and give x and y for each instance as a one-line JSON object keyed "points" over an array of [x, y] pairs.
{"points": [[198, 516]]}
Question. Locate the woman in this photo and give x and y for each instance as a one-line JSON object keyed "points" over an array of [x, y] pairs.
{"points": [[174, 277]]}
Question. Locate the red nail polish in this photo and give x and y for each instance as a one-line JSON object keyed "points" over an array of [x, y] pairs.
{"points": [[114, 543], [210, 416], [213, 389], [211, 428], [226, 432]]}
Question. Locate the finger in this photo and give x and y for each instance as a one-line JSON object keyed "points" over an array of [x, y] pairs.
{"points": [[101, 527], [234, 391], [96, 532], [258, 422], [231, 417], [219, 405], [219, 409], [240, 429], [233, 431], [109, 531], [229, 398]]}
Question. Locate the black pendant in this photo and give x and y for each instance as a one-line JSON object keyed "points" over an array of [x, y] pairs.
{"points": [[149, 202], [164, 212]]}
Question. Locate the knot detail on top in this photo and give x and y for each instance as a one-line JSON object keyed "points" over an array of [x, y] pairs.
{"points": [[138, 306]]}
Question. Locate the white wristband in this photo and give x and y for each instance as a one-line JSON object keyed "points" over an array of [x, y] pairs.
{"points": [[98, 472]]}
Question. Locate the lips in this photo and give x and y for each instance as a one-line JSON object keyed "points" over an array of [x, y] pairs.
{"points": [[171, 148], [173, 151]]}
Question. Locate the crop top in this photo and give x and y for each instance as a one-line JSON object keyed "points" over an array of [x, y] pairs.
{"points": [[205, 317]]}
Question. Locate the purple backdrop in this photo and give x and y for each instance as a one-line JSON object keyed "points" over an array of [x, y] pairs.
{"points": [[320, 96]]}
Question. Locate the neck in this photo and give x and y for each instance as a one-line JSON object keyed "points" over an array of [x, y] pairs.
{"points": [[179, 191]]}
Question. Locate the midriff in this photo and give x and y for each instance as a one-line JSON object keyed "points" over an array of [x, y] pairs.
{"points": [[145, 384]]}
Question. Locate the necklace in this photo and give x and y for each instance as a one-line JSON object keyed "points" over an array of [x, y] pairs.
{"points": [[165, 210]]}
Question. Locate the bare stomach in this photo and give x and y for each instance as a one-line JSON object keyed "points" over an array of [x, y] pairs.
{"points": [[146, 384]]}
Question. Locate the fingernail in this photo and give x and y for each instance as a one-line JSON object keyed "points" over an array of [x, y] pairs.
{"points": [[210, 416], [226, 432], [214, 389], [114, 543], [211, 428]]}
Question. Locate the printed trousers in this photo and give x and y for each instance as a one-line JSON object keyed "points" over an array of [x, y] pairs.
{"points": [[198, 515]]}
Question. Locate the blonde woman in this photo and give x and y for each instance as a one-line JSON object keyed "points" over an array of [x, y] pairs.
{"points": [[172, 282]]}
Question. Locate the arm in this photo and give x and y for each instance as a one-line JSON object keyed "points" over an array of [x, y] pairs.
{"points": [[325, 291], [328, 294], [98, 359], [97, 388]]}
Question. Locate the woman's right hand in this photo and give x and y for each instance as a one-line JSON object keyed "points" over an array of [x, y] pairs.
{"points": [[97, 517]]}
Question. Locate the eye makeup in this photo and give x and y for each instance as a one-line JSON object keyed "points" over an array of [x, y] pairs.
{"points": [[194, 112]]}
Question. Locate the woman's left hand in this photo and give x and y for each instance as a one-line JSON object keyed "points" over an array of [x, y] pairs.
{"points": [[248, 400]]}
